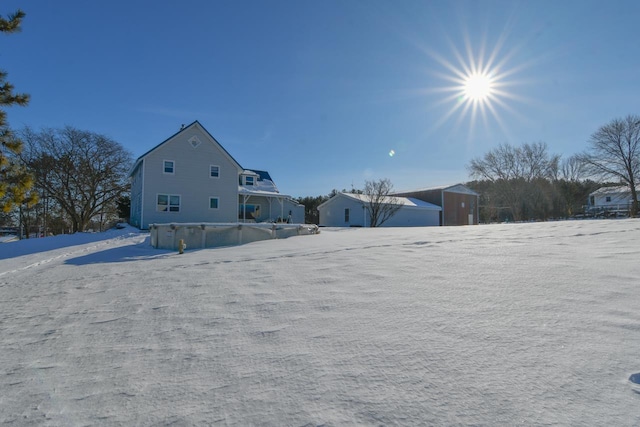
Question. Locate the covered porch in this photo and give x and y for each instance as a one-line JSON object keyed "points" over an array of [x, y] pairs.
{"points": [[263, 206]]}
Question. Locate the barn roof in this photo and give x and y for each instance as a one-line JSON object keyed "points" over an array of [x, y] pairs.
{"points": [[455, 188], [404, 201]]}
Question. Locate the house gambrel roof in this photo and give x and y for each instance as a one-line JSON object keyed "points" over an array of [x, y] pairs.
{"points": [[185, 128]]}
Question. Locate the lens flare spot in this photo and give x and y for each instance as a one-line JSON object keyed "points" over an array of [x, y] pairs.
{"points": [[392, 153]]}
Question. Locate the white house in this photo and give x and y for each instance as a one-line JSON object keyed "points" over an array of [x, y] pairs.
{"points": [[611, 199], [350, 210], [190, 177]]}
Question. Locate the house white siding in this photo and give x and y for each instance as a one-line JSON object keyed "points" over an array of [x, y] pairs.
{"points": [[332, 213]]}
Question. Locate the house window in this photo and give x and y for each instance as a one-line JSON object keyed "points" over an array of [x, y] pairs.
{"points": [[346, 215], [249, 180], [214, 203], [168, 203], [168, 166], [608, 199], [249, 212], [214, 171]]}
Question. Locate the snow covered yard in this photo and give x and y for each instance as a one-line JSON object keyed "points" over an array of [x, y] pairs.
{"points": [[532, 324]]}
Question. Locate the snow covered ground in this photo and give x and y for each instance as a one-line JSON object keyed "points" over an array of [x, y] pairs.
{"points": [[531, 324]]}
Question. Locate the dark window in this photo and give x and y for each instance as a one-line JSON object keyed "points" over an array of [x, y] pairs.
{"points": [[168, 203], [168, 166]]}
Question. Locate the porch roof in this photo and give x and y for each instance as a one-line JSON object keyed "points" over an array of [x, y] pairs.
{"points": [[242, 190]]}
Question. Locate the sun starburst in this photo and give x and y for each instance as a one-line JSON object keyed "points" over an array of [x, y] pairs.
{"points": [[477, 86]]}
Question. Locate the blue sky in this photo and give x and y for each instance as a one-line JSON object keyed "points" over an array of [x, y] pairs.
{"points": [[319, 92]]}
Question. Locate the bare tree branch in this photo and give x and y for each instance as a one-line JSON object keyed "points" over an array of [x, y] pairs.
{"points": [[381, 204]]}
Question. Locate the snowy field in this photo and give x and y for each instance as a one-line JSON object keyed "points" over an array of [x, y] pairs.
{"points": [[529, 324]]}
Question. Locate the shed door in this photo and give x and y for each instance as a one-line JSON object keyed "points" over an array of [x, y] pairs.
{"points": [[471, 219]]}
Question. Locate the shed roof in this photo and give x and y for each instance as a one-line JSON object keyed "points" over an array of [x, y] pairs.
{"points": [[404, 201]]}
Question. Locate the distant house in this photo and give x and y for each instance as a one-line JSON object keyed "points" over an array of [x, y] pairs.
{"points": [[610, 199], [190, 177], [8, 235], [459, 203], [8, 238], [350, 210]]}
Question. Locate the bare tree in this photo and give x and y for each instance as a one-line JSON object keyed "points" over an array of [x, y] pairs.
{"points": [[517, 175], [84, 172], [614, 153], [572, 169], [528, 162], [381, 204]]}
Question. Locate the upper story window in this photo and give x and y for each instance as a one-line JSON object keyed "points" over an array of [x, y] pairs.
{"points": [[194, 141], [249, 180], [608, 199], [214, 202], [168, 166], [214, 171]]}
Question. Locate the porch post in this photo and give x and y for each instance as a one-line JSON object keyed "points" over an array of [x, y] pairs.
{"points": [[244, 207], [281, 208]]}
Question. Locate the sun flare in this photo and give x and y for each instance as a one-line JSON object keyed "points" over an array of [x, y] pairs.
{"points": [[478, 87]]}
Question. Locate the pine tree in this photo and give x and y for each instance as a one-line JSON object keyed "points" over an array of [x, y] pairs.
{"points": [[15, 180]]}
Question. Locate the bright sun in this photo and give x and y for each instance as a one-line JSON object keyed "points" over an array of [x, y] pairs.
{"points": [[478, 87]]}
